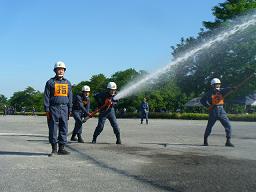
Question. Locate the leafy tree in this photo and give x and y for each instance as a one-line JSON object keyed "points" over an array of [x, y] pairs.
{"points": [[3, 101], [231, 61], [98, 83], [123, 77], [229, 10], [27, 98]]}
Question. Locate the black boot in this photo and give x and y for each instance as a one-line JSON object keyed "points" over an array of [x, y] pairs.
{"points": [[228, 143], [54, 150], [205, 141], [118, 139], [147, 122], [73, 137], [62, 150], [80, 139], [94, 140]]}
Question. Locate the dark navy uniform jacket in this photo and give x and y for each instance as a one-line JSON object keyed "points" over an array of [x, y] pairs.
{"points": [[214, 97], [81, 103], [57, 92], [144, 107], [100, 99]]}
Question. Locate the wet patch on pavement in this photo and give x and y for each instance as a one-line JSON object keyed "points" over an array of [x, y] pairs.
{"points": [[191, 171]]}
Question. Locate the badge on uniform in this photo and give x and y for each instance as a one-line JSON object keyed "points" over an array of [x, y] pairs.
{"points": [[61, 90]]}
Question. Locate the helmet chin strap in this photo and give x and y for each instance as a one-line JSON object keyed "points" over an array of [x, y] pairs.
{"points": [[60, 76]]}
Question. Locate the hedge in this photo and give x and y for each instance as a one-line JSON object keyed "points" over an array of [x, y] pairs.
{"points": [[154, 115], [190, 116]]}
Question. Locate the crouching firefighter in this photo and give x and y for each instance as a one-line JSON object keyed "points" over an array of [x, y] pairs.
{"points": [[81, 108], [214, 100], [58, 106], [107, 112]]}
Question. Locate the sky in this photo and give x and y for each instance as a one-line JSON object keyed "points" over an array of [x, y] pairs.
{"points": [[91, 37]]}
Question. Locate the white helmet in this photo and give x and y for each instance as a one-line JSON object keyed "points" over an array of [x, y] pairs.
{"points": [[112, 85], [86, 88], [215, 81], [60, 64]]}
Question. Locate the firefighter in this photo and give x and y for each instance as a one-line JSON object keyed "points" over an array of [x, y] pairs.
{"points": [[144, 109], [58, 106], [107, 112], [214, 100], [81, 109]]}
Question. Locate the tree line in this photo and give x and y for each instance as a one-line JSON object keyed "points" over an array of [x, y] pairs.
{"points": [[168, 98]]}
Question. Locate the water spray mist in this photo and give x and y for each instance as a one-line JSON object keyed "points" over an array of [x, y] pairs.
{"points": [[221, 37]]}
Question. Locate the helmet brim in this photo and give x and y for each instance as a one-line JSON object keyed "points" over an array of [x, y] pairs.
{"points": [[59, 68]]}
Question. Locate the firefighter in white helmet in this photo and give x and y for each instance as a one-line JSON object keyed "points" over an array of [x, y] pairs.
{"points": [[214, 101], [81, 109], [108, 112], [58, 106]]}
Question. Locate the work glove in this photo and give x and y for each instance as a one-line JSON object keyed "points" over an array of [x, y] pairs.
{"points": [[210, 108]]}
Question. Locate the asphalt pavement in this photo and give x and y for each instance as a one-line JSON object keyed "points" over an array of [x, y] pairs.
{"points": [[166, 155]]}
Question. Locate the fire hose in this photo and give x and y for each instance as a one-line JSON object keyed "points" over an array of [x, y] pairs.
{"points": [[107, 104]]}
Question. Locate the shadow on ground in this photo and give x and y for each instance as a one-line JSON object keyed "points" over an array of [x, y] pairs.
{"points": [[18, 153]]}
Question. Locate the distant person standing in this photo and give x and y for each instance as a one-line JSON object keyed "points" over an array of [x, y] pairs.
{"points": [[81, 109], [144, 109], [5, 110], [33, 111], [58, 106], [23, 110]]}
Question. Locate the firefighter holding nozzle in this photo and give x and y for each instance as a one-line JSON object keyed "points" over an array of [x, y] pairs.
{"points": [[106, 103], [214, 100]]}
